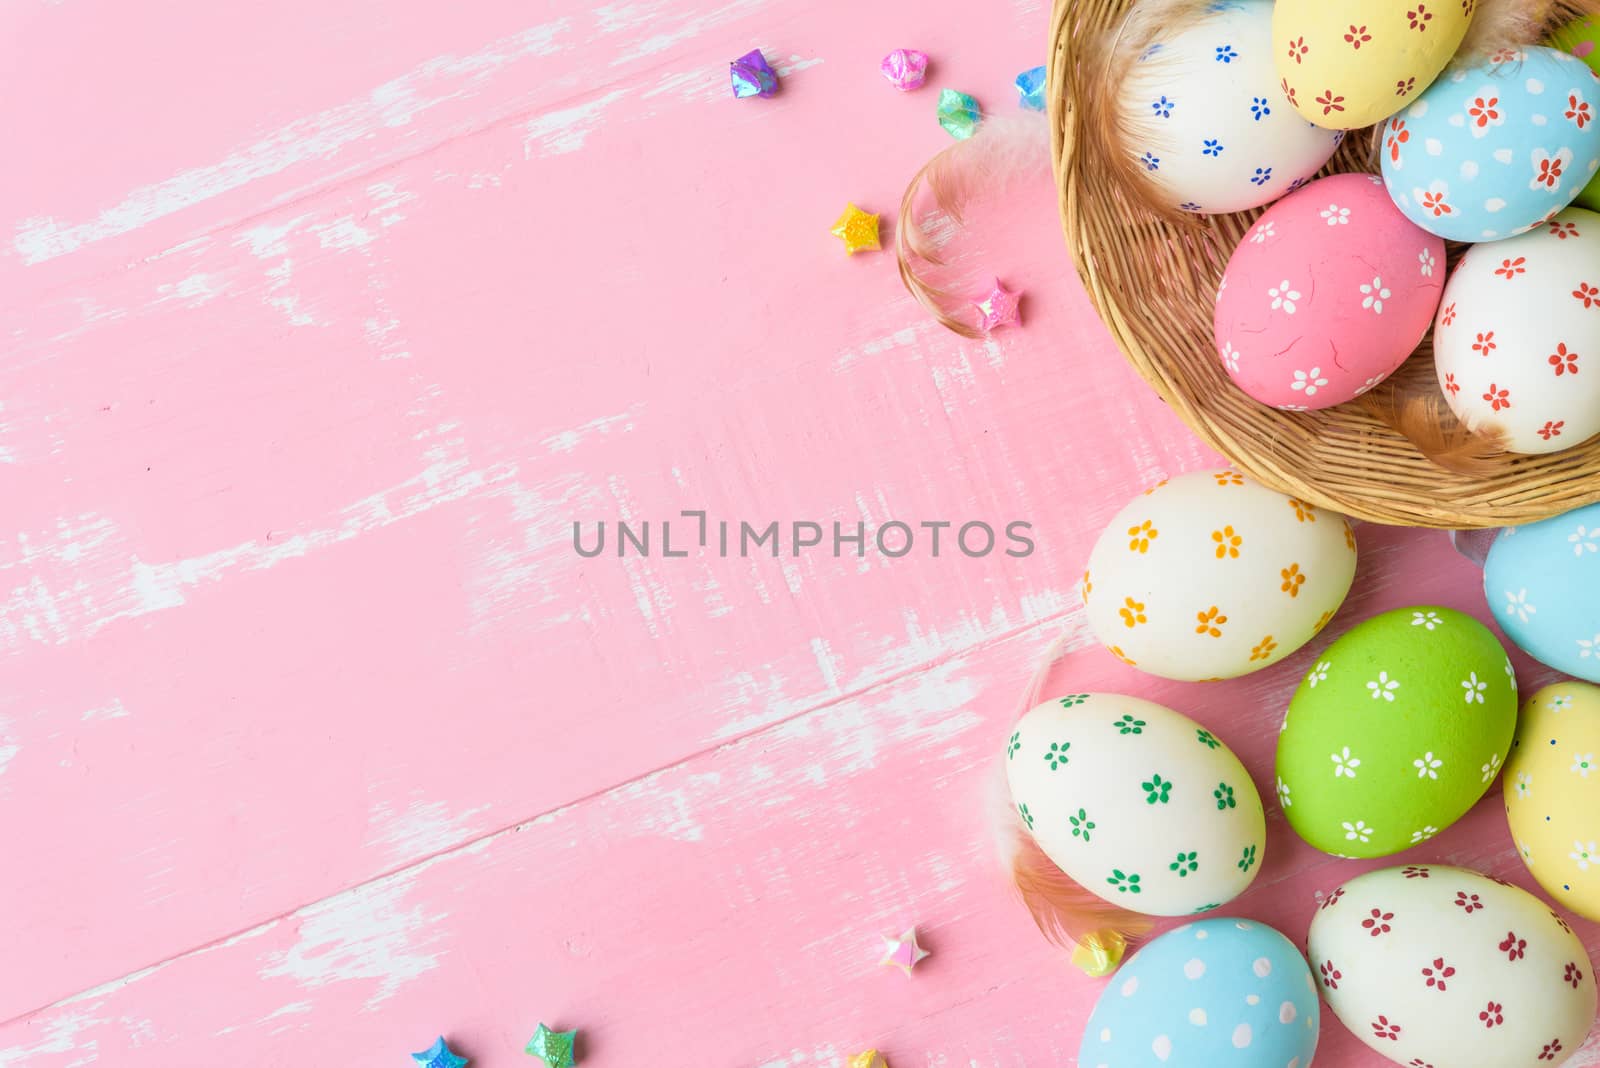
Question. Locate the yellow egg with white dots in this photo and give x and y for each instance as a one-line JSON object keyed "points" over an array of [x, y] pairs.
{"points": [[1353, 63], [1552, 787]]}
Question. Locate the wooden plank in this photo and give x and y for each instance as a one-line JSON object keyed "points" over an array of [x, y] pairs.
{"points": [[290, 599], [725, 910]]}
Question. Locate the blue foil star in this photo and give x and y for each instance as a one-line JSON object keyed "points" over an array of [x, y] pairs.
{"points": [[1030, 87], [439, 1055]]}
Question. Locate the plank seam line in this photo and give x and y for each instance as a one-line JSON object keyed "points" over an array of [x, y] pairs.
{"points": [[412, 867]]}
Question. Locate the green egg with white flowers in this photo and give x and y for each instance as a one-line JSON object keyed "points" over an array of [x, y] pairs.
{"points": [[1397, 730]]}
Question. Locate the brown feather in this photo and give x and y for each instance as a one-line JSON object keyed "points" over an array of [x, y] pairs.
{"points": [[1002, 150], [1064, 911], [1501, 24], [1423, 416]]}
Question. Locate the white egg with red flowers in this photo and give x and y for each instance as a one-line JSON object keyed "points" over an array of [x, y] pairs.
{"points": [[1429, 964], [1517, 343]]}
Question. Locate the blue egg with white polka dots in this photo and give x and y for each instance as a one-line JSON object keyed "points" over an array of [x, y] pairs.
{"points": [[1543, 585], [1496, 145], [1218, 993]]}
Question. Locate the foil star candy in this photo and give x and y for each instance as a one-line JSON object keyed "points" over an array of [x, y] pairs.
{"points": [[958, 114], [906, 68], [1098, 954], [1030, 88], [752, 75], [903, 952], [439, 1055], [1000, 308], [857, 229], [555, 1048], [869, 1058]]}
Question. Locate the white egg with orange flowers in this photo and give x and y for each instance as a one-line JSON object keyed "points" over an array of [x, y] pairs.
{"points": [[1211, 576]]}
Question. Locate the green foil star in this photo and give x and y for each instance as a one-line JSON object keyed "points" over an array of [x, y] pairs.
{"points": [[958, 114], [555, 1048]]}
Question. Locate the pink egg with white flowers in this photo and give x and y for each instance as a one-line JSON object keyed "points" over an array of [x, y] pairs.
{"points": [[1327, 295]]}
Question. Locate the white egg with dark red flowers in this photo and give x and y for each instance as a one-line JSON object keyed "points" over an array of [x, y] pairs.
{"points": [[1543, 585], [1326, 295], [1218, 993], [1436, 965], [1496, 145], [1211, 576], [1136, 803], [1517, 347], [1207, 121]]}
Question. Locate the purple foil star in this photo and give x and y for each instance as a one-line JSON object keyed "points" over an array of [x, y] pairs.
{"points": [[752, 76], [1000, 308], [906, 69]]}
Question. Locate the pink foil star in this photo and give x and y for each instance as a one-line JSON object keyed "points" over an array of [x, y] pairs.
{"points": [[906, 68], [1000, 308], [903, 952]]}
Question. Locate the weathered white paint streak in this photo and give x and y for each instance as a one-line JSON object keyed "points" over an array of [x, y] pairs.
{"points": [[68, 1033], [556, 133], [315, 137], [620, 17], [567, 440], [422, 829], [369, 934], [766, 693], [112, 588], [113, 709]]}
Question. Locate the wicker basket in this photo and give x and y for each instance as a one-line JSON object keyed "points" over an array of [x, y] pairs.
{"points": [[1154, 283]]}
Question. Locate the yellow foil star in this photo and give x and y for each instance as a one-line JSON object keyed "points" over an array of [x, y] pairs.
{"points": [[868, 1059], [857, 229]]}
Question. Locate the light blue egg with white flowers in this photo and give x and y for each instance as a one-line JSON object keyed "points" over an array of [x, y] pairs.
{"points": [[1496, 145], [1543, 585], [1218, 993]]}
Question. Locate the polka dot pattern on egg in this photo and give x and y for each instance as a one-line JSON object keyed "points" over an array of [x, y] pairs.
{"points": [[1552, 794], [1541, 582], [1256, 1006], [1523, 120]]}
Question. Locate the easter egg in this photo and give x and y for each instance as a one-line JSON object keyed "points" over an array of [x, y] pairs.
{"points": [[1354, 63], [1552, 787], [1396, 731], [1210, 576], [1581, 38], [1136, 803], [1543, 585], [1207, 120], [1496, 145], [1327, 295], [1431, 965], [1518, 325], [1216, 993]]}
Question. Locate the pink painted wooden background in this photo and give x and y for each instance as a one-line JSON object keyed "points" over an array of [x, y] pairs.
{"points": [[321, 324]]}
